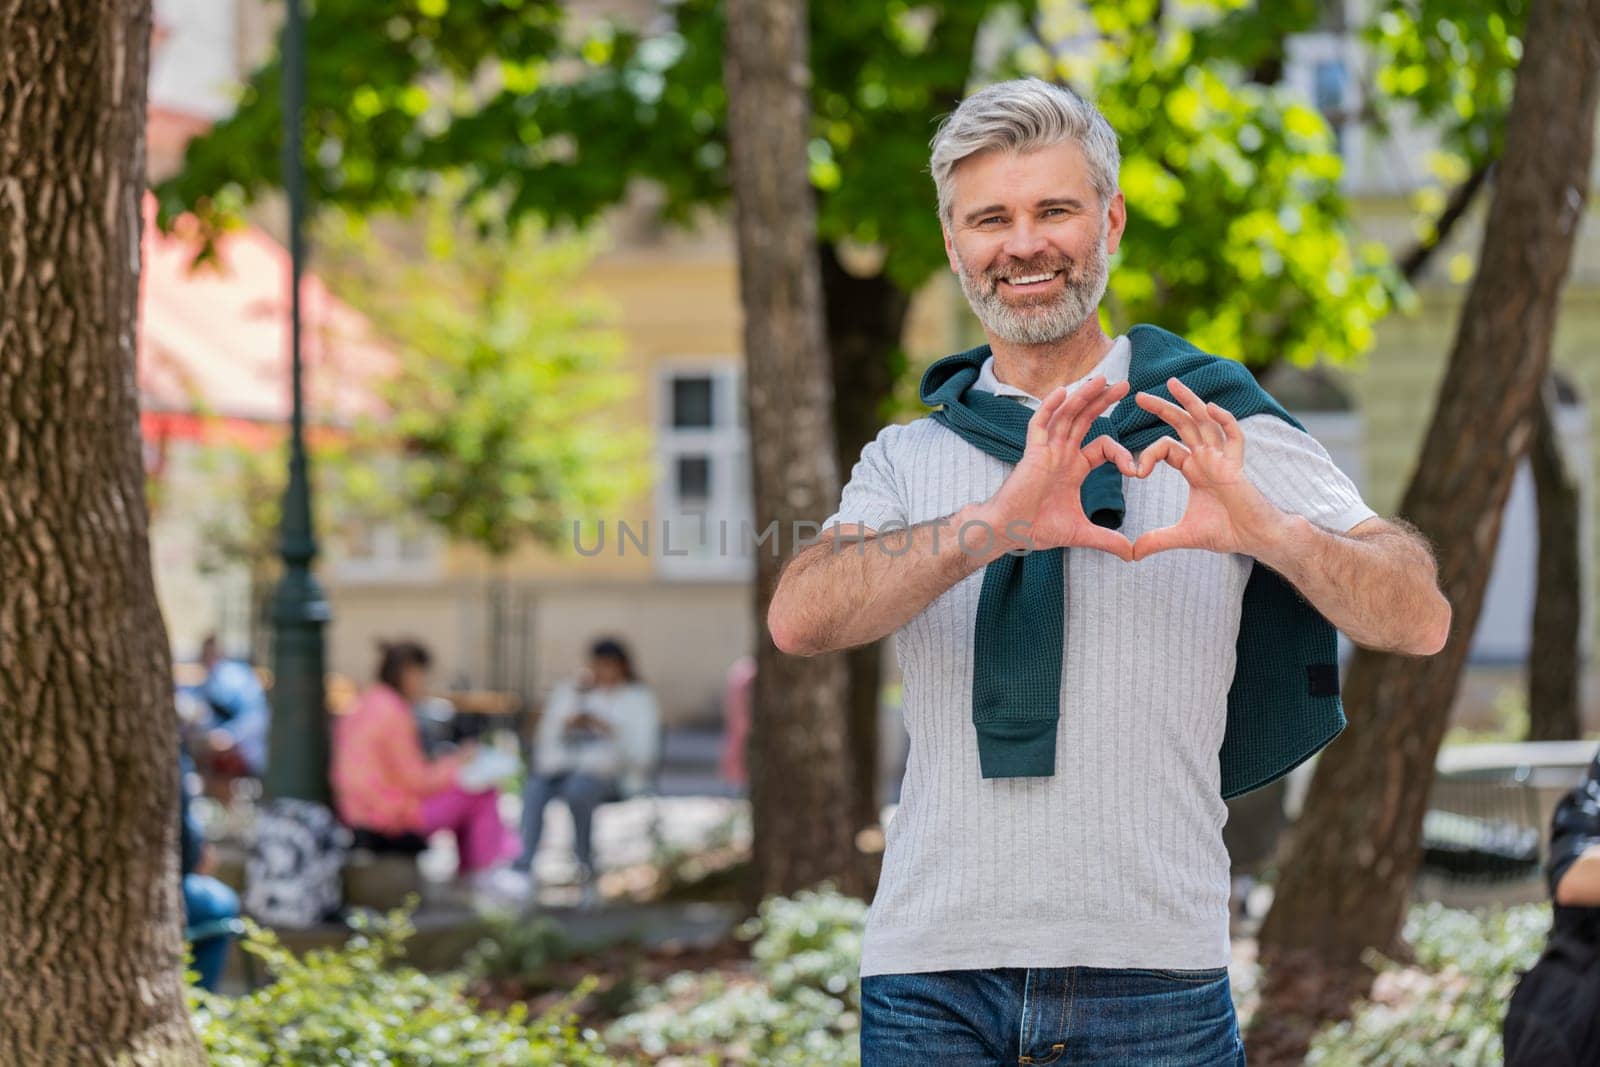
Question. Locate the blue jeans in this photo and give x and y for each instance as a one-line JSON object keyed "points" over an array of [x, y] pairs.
{"points": [[1042, 1015], [583, 794], [204, 900]]}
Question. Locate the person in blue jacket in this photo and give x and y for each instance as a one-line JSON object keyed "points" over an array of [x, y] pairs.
{"points": [[207, 902], [236, 742]]}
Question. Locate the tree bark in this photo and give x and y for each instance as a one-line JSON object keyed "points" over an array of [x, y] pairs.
{"points": [[92, 965], [866, 316], [1553, 655], [1348, 875], [800, 764]]}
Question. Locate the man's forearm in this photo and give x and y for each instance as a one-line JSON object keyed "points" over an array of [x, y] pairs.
{"points": [[851, 590], [1381, 590], [1580, 886]]}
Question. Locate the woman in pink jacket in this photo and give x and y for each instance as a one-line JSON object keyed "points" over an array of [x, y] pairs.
{"points": [[383, 782]]}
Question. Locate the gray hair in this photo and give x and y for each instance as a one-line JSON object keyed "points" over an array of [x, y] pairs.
{"points": [[1024, 115]]}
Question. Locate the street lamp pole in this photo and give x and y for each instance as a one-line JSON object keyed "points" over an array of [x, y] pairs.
{"points": [[297, 763]]}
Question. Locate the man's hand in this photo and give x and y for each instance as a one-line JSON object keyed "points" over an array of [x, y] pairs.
{"points": [[1039, 506], [1377, 583], [1226, 512]]}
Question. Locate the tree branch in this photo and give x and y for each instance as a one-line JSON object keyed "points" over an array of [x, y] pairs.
{"points": [[1414, 262]]}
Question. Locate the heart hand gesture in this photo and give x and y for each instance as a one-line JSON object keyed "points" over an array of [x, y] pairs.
{"points": [[1040, 500], [1226, 512]]}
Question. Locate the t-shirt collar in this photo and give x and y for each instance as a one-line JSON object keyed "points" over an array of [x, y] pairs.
{"points": [[1114, 366]]}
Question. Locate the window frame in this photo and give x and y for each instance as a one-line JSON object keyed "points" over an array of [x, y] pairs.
{"points": [[726, 445]]}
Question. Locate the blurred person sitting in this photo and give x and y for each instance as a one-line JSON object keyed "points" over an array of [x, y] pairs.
{"points": [[209, 906], [236, 716], [737, 694], [1553, 1019], [383, 783], [597, 742]]}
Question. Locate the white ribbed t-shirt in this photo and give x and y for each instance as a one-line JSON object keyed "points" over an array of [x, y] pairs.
{"points": [[1117, 859]]}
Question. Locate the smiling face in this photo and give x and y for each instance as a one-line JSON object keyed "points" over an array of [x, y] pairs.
{"points": [[1029, 238]]}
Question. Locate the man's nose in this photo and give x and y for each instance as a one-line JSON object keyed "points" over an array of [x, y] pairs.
{"points": [[1024, 240]]}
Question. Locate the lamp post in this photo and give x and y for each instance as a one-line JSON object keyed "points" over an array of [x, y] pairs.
{"points": [[297, 762]]}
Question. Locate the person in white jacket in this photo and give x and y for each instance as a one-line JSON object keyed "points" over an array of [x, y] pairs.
{"points": [[598, 741]]}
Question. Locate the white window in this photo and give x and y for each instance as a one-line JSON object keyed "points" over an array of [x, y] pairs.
{"points": [[1328, 69], [1323, 69], [702, 498]]}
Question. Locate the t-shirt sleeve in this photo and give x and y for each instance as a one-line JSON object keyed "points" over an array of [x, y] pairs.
{"points": [[872, 496], [1296, 474]]}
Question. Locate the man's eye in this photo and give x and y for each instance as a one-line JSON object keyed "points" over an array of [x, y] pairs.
{"points": [[1055, 211], [991, 218]]}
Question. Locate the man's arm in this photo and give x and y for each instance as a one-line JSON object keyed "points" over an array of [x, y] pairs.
{"points": [[1378, 583], [1575, 844], [1580, 886], [861, 585], [849, 590]]}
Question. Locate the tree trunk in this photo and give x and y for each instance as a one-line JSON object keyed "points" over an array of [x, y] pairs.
{"points": [[1348, 875], [799, 762], [1558, 600], [865, 318], [91, 970]]}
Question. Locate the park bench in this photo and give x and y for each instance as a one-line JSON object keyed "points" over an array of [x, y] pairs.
{"points": [[1485, 836], [381, 869]]}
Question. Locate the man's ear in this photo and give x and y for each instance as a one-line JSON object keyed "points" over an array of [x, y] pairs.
{"points": [[1116, 222], [949, 248]]}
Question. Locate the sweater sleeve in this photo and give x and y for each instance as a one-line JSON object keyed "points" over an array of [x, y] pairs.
{"points": [[548, 750], [1295, 473], [637, 722], [641, 731], [400, 751]]}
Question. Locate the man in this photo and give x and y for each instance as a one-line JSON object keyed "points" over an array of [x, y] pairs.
{"points": [[1099, 640], [236, 741], [1554, 1016]]}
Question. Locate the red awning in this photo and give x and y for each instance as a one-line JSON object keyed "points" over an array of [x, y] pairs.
{"points": [[214, 343]]}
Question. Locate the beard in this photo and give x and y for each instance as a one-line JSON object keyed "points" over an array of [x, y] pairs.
{"points": [[1044, 318]]}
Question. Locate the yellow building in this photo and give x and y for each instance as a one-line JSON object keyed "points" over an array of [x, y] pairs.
{"points": [[682, 605]]}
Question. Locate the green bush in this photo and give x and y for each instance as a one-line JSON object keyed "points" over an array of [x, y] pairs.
{"points": [[1449, 1007], [537, 956], [801, 1006], [520, 950], [358, 1005], [810, 941]]}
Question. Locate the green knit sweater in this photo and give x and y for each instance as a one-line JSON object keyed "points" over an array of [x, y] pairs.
{"points": [[1283, 706]]}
